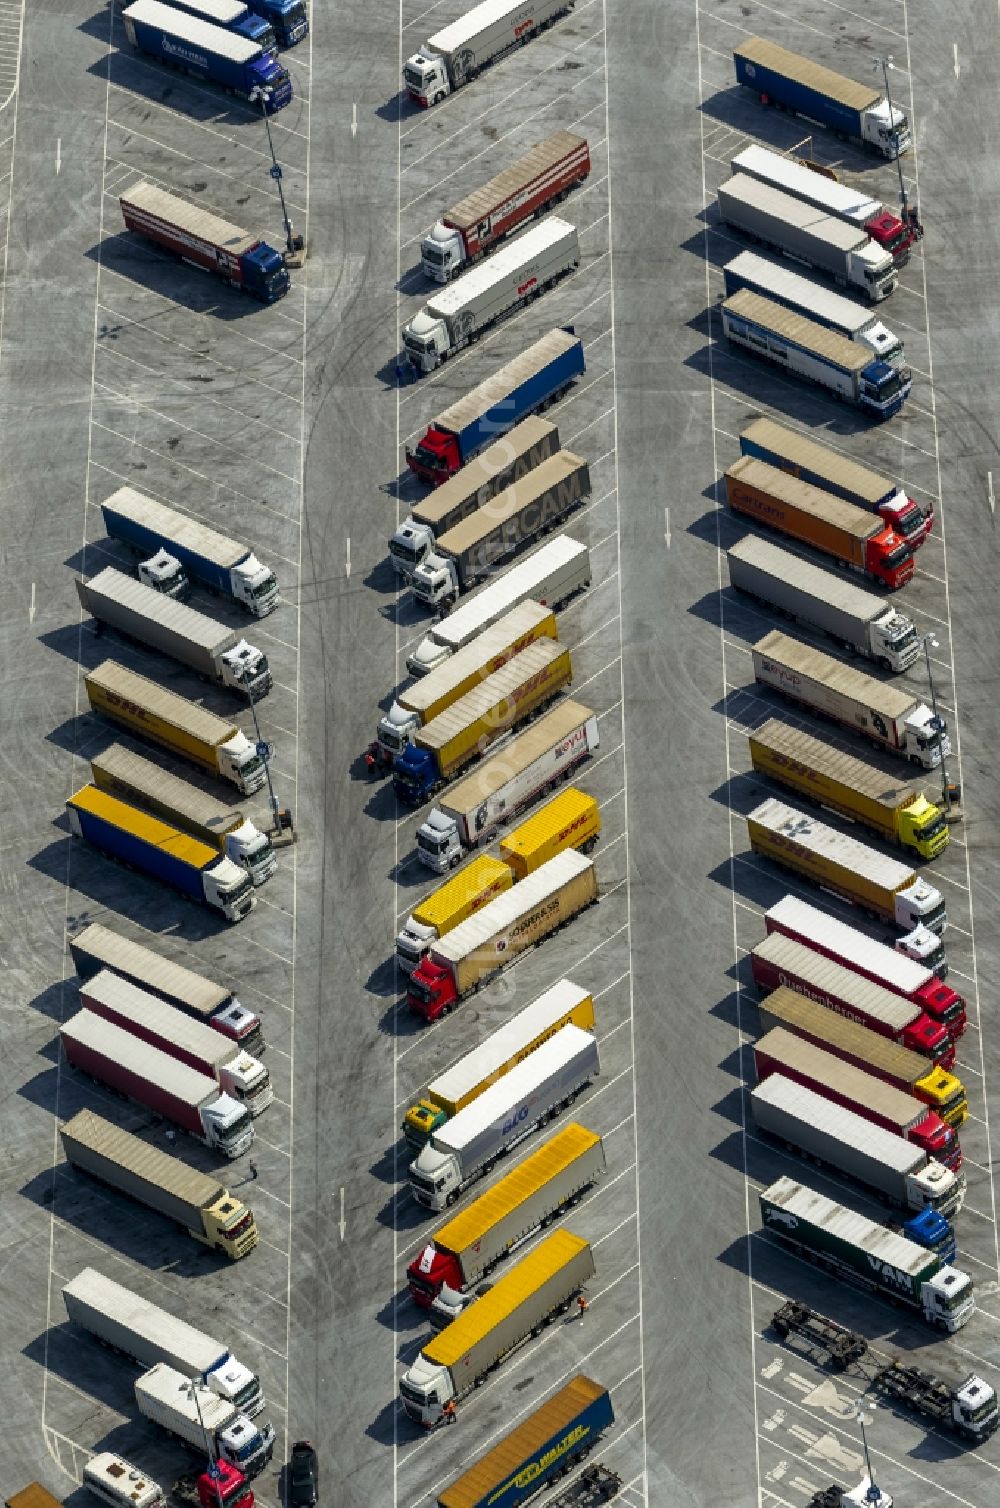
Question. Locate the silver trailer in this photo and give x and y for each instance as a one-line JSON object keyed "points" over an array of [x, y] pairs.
{"points": [[210, 649], [857, 619], [816, 1128]]}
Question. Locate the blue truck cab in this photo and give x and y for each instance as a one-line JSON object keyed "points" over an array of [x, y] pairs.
{"points": [[289, 18], [206, 51], [932, 1231], [883, 389], [414, 775]]}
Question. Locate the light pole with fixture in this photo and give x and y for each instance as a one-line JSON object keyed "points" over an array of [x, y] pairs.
{"points": [[929, 642], [192, 1389], [264, 750], [264, 95], [886, 64]]}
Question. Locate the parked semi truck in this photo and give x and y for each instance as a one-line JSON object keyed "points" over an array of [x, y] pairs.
{"points": [[288, 18], [460, 673], [541, 1285], [779, 960], [536, 761], [469, 1144], [205, 240], [857, 1251], [859, 113], [570, 820], [805, 457], [473, 1074], [553, 1440], [781, 1051], [474, 952], [465, 310], [214, 744], [546, 1184], [857, 619], [851, 536], [808, 1124], [525, 385], [157, 1081], [504, 462], [890, 718], [826, 192], [465, 555], [809, 350], [128, 1323], [803, 296], [121, 772], [909, 977], [457, 54], [164, 1027], [898, 811], [465, 730], [796, 230], [550, 575], [912, 1072], [193, 46], [97, 947], [465, 893], [880, 886], [968, 1408], [233, 15], [167, 1398], [198, 1203], [483, 220], [196, 552], [210, 649], [118, 1484], [163, 852]]}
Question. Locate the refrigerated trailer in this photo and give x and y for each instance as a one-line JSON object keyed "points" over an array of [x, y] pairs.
{"points": [[198, 1203], [857, 619], [459, 52], [888, 717], [915, 980]]}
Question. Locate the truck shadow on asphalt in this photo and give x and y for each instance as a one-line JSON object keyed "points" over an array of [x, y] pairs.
{"points": [[749, 706], [383, 578], [70, 1354], [143, 77], [743, 792], [129, 256], [389, 1422], [740, 109], [401, 1315], [414, 281], [399, 108], [751, 878], [103, 880], [401, 1212], [718, 527]]}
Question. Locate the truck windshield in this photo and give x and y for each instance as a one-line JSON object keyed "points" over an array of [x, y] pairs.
{"points": [[414, 343], [413, 76], [402, 551], [430, 459], [236, 1130], [248, 1394], [432, 846], [415, 1395], [294, 14], [896, 558], [421, 1181], [909, 523], [432, 255], [250, 1448], [240, 891], [239, 1229], [933, 828], [902, 641], [890, 386], [420, 991], [269, 584], [392, 738]]}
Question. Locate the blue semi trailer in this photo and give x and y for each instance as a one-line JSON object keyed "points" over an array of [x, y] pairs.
{"points": [[549, 1442], [853, 112], [205, 51], [526, 385]]}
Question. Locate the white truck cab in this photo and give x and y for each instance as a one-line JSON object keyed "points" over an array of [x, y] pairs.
{"points": [[228, 1125], [873, 269], [395, 730], [426, 340], [438, 843], [435, 580], [425, 1389], [927, 741], [248, 1081], [894, 639], [164, 573], [240, 762], [948, 1299], [410, 544], [227, 886], [885, 345], [442, 253], [426, 77], [247, 846], [890, 133], [435, 1177], [921, 905], [244, 667], [936, 1187], [925, 947], [254, 586], [412, 943]]}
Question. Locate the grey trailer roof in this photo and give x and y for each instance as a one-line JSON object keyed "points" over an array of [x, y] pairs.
{"points": [[483, 469], [814, 665], [148, 1163], [176, 617], [812, 75], [857, 522], [762, 556], [163, 1330], [508, 503], [505, 909], [167, 1022], [92, 1031], [543, 156], [528, 663], [795, 327], [795, 178], [885, 1246], [124, 956], [506, 379], [772, 280], [199, 722], [768, 200], [804, 451], [503, 264], [833, 1120], [214, 39], [129, 774], [176, 528]]}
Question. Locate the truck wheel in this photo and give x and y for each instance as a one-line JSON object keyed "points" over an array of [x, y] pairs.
{"points": [[452, 1197], [454, 861], [437, 98]]}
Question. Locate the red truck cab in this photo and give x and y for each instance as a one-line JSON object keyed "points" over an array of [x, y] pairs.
{"points": [[428, 1273], [889, 558], [436, 457], [890, 232], [431, 990]]}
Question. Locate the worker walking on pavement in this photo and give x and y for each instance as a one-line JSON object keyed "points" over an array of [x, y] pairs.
{"points": [[581, 1305], [450, 1412]]}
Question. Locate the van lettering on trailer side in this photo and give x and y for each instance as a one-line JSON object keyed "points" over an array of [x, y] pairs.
{"points": [[892, 1276]]}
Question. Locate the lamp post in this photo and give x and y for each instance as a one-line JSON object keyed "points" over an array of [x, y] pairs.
{"points": [[874, 1494], [886, 64], [264, 95], [929, 642], [192, 1389], [262, 748]]}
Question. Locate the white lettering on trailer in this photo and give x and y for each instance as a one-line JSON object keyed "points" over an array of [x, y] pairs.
{"points": [[172, 50]]}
